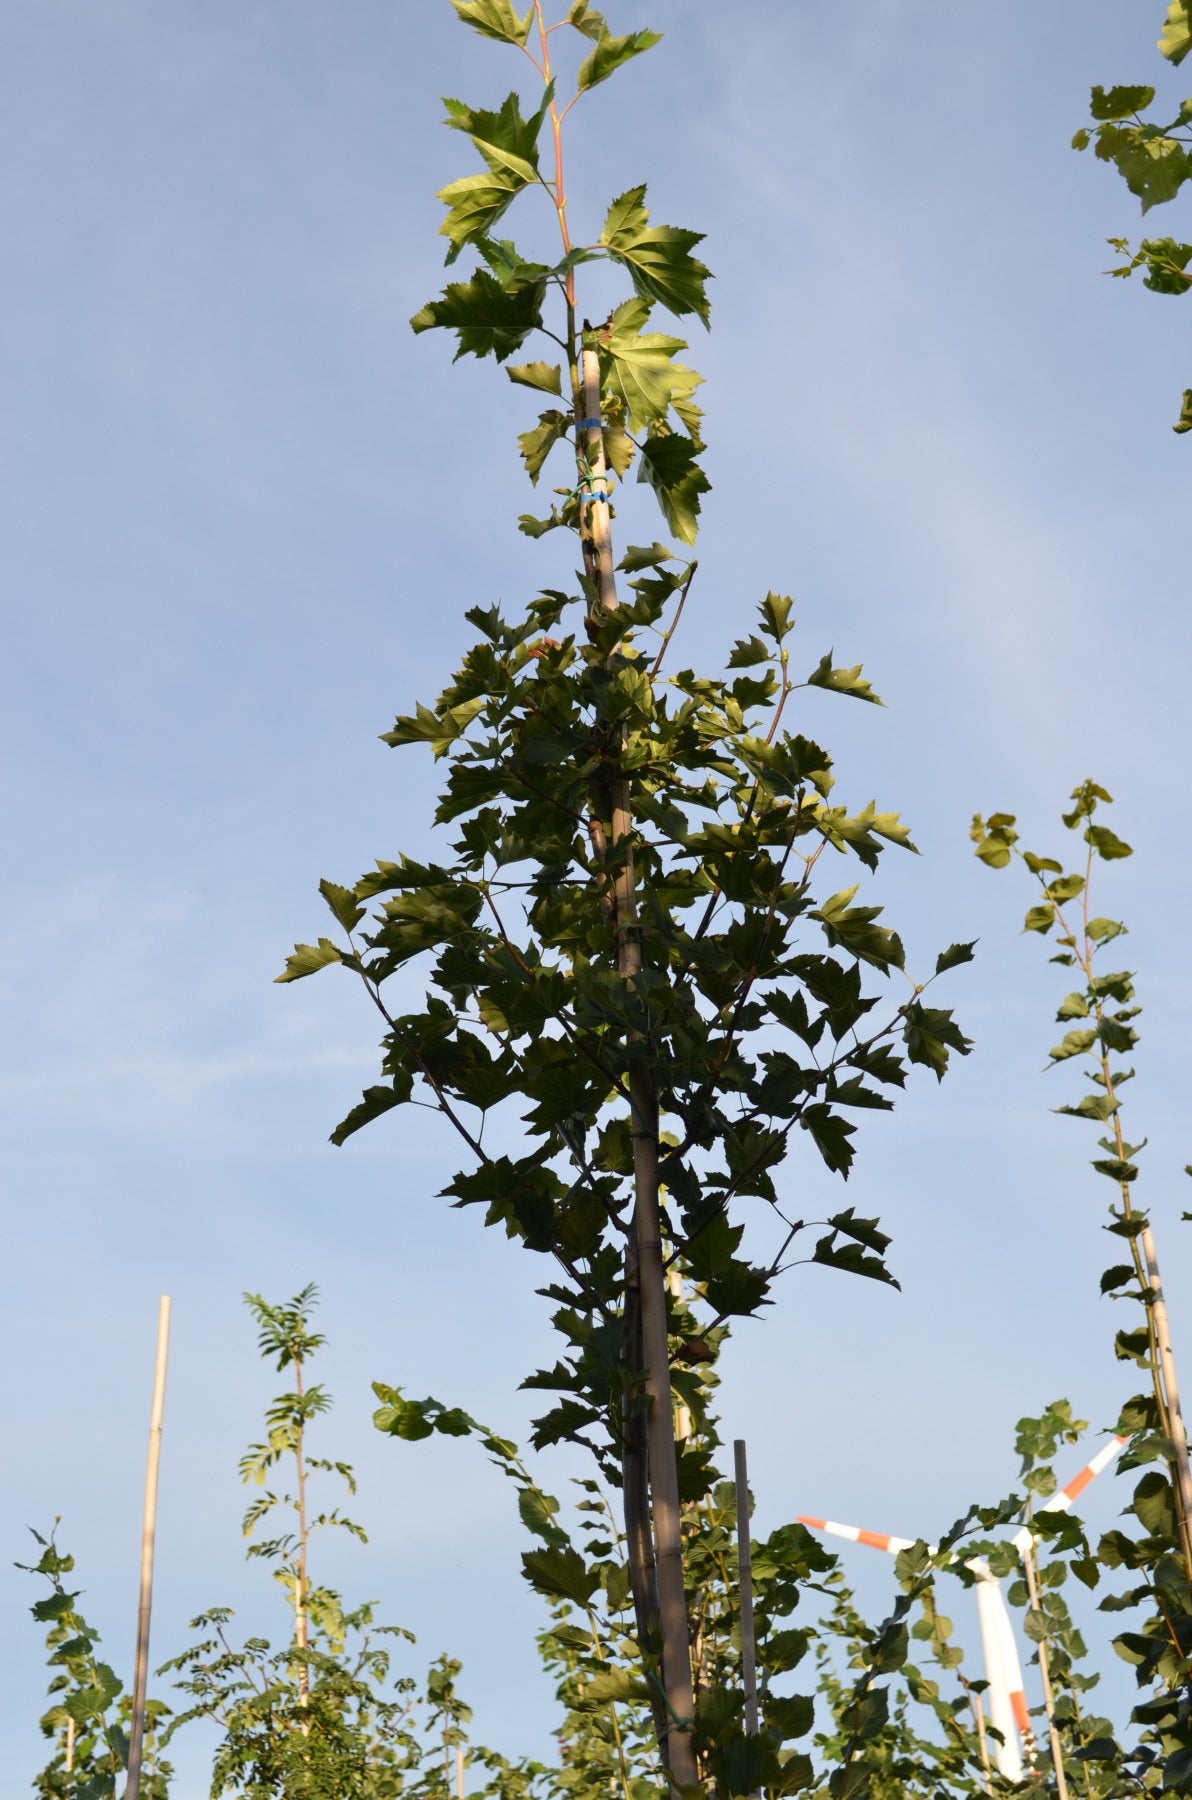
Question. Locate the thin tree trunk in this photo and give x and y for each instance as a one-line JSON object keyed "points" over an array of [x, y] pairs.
{"points": [[301, 1622], [745, 1587], [136, 1743], [643, 1099], [635, 1484], [1175, 1419]]}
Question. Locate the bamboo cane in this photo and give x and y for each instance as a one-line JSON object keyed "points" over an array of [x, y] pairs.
{"points": [[136, 1742], [978, 1712], [643, 1100], [745, 1583], [459, 1772], [674, 1282], [1175, 1418], [1057, 1752]]}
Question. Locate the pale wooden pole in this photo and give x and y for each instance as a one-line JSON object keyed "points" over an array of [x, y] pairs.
{"points": [[136, 1742], [1175, 1418], [1053, 1735], [745, 1585], [643, 1102], [674, 1282]]}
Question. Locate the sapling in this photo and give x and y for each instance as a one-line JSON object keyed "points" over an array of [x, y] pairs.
{"points": [[633, 988], [322, 1717], [88, 1718], [1099, 1018]]}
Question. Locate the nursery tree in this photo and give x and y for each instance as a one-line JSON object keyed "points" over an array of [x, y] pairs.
{"points": [[88, 1716], [635, 985], [320, 1718], [1098, 1018]]}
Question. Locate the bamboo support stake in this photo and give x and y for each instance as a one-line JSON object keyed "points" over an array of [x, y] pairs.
{"points": [[1057, 1754], [978, 1712], [745, 1584], [674, 1282], [1175, 1418], [643, 1101], [459, 1772], [136, 1742]]}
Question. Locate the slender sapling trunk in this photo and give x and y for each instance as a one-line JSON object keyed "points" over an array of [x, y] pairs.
{"points": [[647, 1226], [745, 1585]]}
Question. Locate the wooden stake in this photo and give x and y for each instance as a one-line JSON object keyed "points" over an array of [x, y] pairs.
{"points": [[674, 1282], [148, 1529], [1175, 1419], [459, 1772], [745, 1584], [978, 1712], [1057, 1753], [643, 1101]]}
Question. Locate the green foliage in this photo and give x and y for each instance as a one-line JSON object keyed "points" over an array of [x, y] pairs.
{"points": [[1154, 160], [1159, 1560], [89, 1715], [319, 1718]]}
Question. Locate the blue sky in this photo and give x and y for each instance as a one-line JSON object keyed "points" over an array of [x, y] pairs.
{"points": [[244, 512]]}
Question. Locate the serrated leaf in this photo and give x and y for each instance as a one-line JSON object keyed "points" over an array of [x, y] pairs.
{"points": [[668, 465], [1176, 39], [953, 956], [658, 257], [488, 318], [1119, 102], [307, 958], [376, 1100], [537, 443], [640, 368], [638, 557], [1106, 843], [930, 1033], [343, 903], [610, 53], [587, 20], [547, 377], [560, 1573], [495, 19], [842, 681], [1153, 168]]}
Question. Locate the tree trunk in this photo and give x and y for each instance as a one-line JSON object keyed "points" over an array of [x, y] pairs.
{"points": [[643, 1098], [635, 1483]]}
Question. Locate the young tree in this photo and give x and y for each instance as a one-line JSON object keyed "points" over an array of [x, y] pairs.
{"points": [[88, 1717], [320, 1718], [1099, 1017], [625, 947]]}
